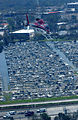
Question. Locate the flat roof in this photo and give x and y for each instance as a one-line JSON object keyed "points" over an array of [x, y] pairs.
{"points": [[73, 3], [61, 23], [24, 31], [2, 33]]}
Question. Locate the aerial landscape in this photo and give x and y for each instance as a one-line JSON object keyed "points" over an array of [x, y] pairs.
{"points": [[39, 60]]}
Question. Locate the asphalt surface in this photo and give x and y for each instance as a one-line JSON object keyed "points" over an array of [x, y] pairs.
{"points": [[51, 111]]}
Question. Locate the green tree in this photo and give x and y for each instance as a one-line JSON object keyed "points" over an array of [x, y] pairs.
{"points": [[63, 117], [44, 116], [52, 20], [11, 23], [56, 118], [1, 48]]}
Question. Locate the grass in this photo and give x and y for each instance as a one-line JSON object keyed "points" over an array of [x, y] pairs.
{"points": [[45, 40], [38, 100], [7, 96]]}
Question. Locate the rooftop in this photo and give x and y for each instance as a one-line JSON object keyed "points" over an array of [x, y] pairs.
{"points": [[75, 3], [24, 31]]}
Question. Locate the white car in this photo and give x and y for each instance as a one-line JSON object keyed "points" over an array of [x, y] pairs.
{"points": [[12, 112], [41, 110]]}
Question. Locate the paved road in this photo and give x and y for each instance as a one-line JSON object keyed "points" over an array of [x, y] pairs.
{"points": [[4, 71], [52, 111], [61, 54], [55, 110]]}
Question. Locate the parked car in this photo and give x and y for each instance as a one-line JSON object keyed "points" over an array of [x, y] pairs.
{"points": [[29, 113], [8, 117], [21, 112], [41, 110], [12, 112]]}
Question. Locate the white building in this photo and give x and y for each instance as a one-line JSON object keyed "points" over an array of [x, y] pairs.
{"points": [[73, 6], [22, 34]]}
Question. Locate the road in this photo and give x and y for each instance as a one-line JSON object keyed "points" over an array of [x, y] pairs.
{"points": [[52, 111], [61, 54], [4, 71]]}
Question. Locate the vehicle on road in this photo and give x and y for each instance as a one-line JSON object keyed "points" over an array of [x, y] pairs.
{"points": [[12, 112], [29, 113], [41, 110], [8, 117], [21, 112]]}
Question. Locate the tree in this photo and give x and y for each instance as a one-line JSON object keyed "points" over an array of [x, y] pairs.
{"points": [[56, 118], [11, 26], [44, 116], [52, 20], [1, 48]]}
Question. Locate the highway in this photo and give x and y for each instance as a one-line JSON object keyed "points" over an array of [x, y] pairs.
{"points": [[39, 103], [51, 111]]}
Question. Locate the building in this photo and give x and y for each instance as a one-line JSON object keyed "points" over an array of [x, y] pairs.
{"points": [[71, 11], [72, 6], [23, 34]]}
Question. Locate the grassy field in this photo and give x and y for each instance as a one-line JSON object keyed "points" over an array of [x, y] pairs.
{"points": [[39, 100], [45, 40]]}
